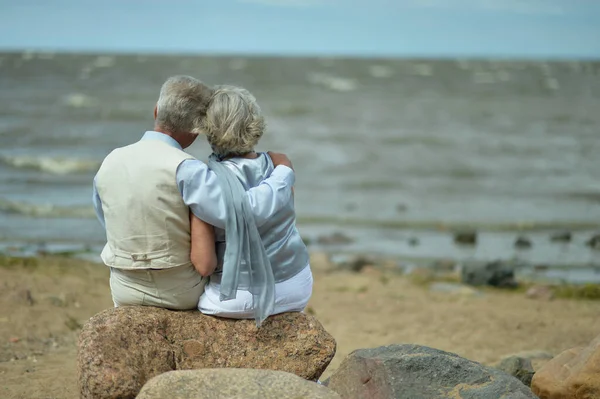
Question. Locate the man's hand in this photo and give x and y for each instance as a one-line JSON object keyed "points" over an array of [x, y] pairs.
{"points": [[280, 159]]}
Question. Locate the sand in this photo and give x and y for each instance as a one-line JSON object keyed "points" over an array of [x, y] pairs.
{"points": [[44, 301]]}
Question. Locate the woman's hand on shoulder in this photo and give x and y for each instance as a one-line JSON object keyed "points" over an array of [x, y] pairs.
{"points": [[279, 158]]}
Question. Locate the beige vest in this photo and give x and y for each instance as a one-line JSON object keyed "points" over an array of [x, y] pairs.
{"points": [[147, 222]]}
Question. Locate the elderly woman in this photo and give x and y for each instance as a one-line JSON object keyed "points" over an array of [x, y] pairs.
{"points": [[257, 270]]}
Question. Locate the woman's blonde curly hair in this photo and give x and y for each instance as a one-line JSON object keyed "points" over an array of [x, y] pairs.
{"points": [[233, 123]]}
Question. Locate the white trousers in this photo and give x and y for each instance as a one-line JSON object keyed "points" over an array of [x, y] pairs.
{"points": [[290, 296]]}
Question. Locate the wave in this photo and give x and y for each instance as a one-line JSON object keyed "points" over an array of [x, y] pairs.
{"points": [[54, 165], [331, 82], [78, 100], [45, 210], [380, 71]]}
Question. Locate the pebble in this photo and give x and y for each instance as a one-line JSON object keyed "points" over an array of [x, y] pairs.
{"points": [[465, 237], [523, 242]]}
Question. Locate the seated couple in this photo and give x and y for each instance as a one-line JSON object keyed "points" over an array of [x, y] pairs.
{"points": [[172, 222]]}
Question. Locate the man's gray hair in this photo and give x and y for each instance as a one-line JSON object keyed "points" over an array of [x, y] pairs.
{"points": [[182, 104], [233, 123]]}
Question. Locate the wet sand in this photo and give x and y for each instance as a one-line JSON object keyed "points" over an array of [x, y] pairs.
{"points": [[44, 301]]}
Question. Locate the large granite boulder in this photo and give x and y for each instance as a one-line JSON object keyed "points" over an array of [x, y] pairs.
{"points": [[233, 384], [122, 348], [573, 374], [419, 372]]}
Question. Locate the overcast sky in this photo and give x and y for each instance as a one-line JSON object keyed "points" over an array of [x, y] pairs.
{"points": [[505, 28]]}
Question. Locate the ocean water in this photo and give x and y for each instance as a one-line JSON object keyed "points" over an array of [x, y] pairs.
{"points": [[384, 149]]}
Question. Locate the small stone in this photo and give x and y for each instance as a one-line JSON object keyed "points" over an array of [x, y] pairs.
{"points": [[465, 237], [401, 207], [563, 236], [518, 367], [336, 238], [445, 265], [594, 242], [413, 241], [523, 242], [14, 340], [542, 292], [496, 274]]}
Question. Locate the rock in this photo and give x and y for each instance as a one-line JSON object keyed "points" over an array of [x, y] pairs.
{"points": [[443, 265], [454, 289], [537, 357], [122, 348], [401, 207], [594, 242], [522, 242], [562, 236], [419, 372], [465, 237], [496, 274], [217, 384], [336, 238], [519, 367], [413, 241], [357, 263], [353, 263], [543, 292], [573, 374]]}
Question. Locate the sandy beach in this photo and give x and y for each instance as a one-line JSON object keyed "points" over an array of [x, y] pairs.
{"points": [[45, 300]]}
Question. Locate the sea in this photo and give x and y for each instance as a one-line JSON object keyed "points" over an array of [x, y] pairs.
{"points": [[393, 154]]}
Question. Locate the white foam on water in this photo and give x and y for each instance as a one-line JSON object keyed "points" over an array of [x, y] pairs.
{"points": [[380, 71], [28, 55], [331, 82], [46, 55], [54, 165], [423, 69], [483, 77], [551, 83], [503, 76], [79, 100], [45, 210], [104, 61]]}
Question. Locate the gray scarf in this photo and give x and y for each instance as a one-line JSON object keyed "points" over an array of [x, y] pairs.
{"points": [[243, 243]]}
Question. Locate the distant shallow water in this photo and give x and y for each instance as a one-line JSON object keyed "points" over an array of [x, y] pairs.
{"points": [[383, 149]]}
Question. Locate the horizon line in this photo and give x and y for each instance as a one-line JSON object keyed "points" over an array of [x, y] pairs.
{"points": [[268, 54]]}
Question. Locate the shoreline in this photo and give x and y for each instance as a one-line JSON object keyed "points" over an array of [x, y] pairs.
{"points": [[46, 300]]}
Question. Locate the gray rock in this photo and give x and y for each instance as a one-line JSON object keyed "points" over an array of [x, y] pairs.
{"points": [[594, 242], [465, 237], [419, 372], [496, 274], [232, 384], [523, 242], [518, 367], [562, 236]]}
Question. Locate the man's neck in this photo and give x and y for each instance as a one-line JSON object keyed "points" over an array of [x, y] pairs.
{"points": [[171, 135]]}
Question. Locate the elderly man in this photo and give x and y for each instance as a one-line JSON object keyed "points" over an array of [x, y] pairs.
{"points": [[143, 194]]}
